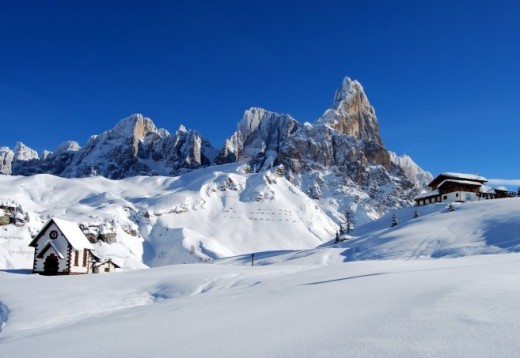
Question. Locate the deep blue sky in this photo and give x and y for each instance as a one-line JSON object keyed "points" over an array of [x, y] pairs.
{"points": [[443, 76]]}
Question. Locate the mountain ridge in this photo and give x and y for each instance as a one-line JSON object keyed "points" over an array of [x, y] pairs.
{"points": [[339, 160]]}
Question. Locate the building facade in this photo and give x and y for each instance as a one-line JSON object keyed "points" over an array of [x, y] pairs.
{"points": [[105, 266], [457, 187], [61, 248]]}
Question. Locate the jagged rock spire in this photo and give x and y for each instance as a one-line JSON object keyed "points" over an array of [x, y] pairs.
{"points": [[352, 114]]}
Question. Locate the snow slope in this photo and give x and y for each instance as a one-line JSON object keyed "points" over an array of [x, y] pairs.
{"points": [[203, 215], [310, 306], [484, 227]]}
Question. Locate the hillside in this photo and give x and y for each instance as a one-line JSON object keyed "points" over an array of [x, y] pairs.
{"points": [[224, 211], [203, 215], [485, 227]]}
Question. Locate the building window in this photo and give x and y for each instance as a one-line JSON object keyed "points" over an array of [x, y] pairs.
{"points": [[85, 258], [107, 269], [457, 195], [76, 258], [445, 197]]}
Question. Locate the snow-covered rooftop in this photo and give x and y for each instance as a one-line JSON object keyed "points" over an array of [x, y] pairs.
{"points": [[487, 189], [456, 181], [427, 195], [463, 176], [73, 233]]}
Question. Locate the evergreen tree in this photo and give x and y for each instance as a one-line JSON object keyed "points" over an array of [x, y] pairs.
{"points": [[349, 222], [395, 221]]}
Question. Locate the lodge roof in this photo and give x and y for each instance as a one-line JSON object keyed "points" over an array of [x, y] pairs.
{"points": [[456, 176], [464, 182], [472, 177], [104, 261], [487, 189], [427, 195]]}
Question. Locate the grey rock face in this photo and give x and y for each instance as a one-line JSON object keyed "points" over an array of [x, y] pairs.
{"points": [[6, 160], [185, 150], [258, 139], [136, 147], [352, 114]]}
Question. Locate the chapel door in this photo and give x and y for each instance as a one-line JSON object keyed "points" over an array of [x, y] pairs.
{"points": [[50, 266]]}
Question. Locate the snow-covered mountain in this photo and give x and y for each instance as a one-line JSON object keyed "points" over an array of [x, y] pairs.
{"points": [[135, 146], [346, 137], [339, 161]]}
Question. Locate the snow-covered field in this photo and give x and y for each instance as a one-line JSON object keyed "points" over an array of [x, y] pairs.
{"points": [[310, 304]]}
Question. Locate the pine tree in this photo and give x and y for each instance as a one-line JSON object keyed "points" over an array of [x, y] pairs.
{"points": [[349, 222], [395, 221]]}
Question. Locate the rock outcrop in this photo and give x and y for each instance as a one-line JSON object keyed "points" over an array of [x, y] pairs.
{"points": [[258, 139], [6, 160]]}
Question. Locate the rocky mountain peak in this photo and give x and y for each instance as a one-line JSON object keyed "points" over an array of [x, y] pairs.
{"points": [[258, 139], [182, 129], [23, 152], [352, 114], [68, 146], [345, 91], [6, 158], [136, 126]]}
